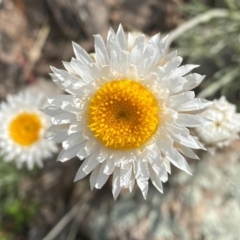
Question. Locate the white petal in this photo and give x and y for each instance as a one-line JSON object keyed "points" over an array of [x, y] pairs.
{"points": [[155, 180], [195, 104], [82, 154], [143, 185], [188, 152], [183, 70], [58, 100], [124, 63], [73, 140], [81, 54], [91, 145], [67, 86], [162, 43], [76, 127], [52, 111], [115, 53], [137, 50], [125, 175], [163, 177], [58, 137], [174, 85], [109, 167], [194, 80], [58, 128], [178, 160], [65, 77], [65, 102], [84, 71], [143, 166], [189, 141], [189, 120], [102, 178], [159, 71], [80, 174], [94, 176], [101, 51], [66, 155], [63, 118], [154, 40], [68, 67], [167, 165], [172, 64], [90, 162], [159, 168], [132, 182], [176, 101], [116, 188], [177, 129], [121, 37]]}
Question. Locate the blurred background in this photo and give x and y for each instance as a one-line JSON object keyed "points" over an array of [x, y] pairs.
{"points": [[46, 204]]}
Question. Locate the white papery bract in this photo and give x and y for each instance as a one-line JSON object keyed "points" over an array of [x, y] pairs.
{"points": [[127, 113], [224, 127], [23, 128]]}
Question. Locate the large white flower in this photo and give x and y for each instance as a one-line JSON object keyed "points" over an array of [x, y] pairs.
{"points": [[126, 114], [23, 128], [224, 127]]}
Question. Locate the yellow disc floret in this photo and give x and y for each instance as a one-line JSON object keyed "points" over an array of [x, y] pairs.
{"points": [[25, 129], [123, 114]]}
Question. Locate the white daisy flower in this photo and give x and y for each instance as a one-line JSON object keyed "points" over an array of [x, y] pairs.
{"points": [[22, 130], [224, 127], [126, 115]]}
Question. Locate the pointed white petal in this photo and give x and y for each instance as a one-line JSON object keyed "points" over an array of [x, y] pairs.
{"points": [[94, 176], [58, 137], [109, 167], [90, 162], [183, 70], [116, 188], [66, 155], [195, 104], [80, 174], [178, 160], [101, 178], [155, 180], [63, 118], [194, 80], [189, 120], [101, 51], [179, 99], [167, 165], [82, 153], [73, 140], [173, 64], [188, 152], [81, 54], [52, 111], [125, 175], [143, 185], [121, 37], [188, 141]]}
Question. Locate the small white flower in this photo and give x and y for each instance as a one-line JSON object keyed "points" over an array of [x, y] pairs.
{"points": [[224, 127], [126, 114], [22, 130]]}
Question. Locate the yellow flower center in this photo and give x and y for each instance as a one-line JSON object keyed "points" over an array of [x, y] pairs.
{"points": [[123, 114], [25, 129]]}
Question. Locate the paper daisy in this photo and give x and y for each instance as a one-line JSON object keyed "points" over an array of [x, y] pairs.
{"points": [[22, 130], [224, 127], [126, 115]]}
